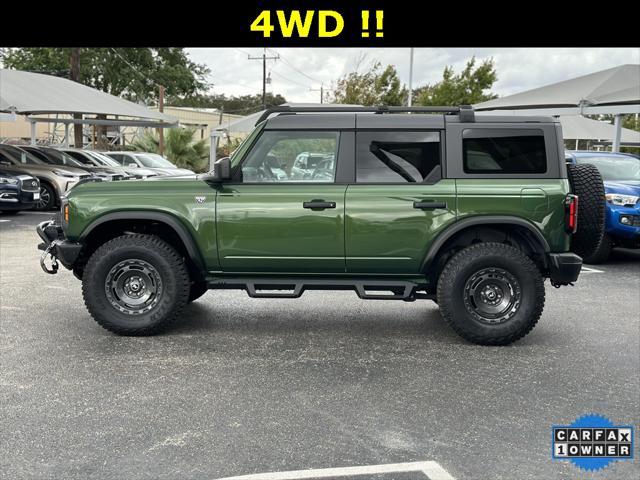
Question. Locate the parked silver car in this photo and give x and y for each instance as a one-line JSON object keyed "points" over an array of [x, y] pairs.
{"points": [[90, 157], [151, 161], [54, 156], [55, 180]]}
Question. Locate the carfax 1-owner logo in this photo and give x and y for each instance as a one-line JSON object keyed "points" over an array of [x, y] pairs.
{"points": [[592, 442]]}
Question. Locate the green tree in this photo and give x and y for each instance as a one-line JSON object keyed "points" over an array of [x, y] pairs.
{"points": [[133, 73], [179, 148], [466, 88], [241, 105], [373, 87]]}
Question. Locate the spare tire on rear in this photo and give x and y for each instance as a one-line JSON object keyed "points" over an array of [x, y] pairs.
{"points": [[586, 183]]}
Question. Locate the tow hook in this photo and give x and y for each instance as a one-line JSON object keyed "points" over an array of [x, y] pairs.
{"points": [[558, 284], [54, 261]]}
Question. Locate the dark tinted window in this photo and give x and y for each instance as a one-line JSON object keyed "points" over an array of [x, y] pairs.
{"points": [[518, 151], [37, 153], [119, 158], [80, 157], [396, 157]]}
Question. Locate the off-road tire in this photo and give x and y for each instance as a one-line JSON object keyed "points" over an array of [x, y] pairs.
{"points": [[167, 263], [586, 182], [602, 253], [197, 290], [486, 256]]}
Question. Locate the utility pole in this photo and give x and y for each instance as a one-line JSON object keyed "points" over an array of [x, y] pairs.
{"points": [[264, 59], [321, 90], [74, 67], [410, 101], [161, 130]]}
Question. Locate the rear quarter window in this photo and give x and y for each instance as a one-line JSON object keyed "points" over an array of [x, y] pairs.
{"points": [[506, 152]]}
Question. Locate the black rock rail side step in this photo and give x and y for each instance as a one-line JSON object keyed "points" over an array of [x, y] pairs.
{"points": [[295, 287]]}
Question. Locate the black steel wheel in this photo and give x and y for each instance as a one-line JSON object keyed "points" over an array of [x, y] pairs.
{"points": [[133, 286], [492, 295]]}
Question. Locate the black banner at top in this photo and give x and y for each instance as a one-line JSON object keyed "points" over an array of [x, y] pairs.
{"points": [[309, 23]]}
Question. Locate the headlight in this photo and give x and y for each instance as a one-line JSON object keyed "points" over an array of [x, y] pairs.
{"points": [[11, 181], [622, 200], [64, 174]]}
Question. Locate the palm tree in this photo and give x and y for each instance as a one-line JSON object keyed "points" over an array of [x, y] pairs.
{"points": [[179, 148]]}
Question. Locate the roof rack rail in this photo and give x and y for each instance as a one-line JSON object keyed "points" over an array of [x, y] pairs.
{"points": [[465, 111]]}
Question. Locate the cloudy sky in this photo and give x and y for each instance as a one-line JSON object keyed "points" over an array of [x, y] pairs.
{"points": [[300, 70]]}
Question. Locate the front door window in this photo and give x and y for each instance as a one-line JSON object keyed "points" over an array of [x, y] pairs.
{"points": [[292, 156]]}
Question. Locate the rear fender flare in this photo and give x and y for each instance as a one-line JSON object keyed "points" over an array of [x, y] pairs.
{"points": [[477, 221]]}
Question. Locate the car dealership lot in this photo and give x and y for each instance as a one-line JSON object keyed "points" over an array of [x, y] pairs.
{"points": [[245, 386]]}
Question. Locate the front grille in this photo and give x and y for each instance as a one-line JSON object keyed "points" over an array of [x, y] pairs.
{"points": [[31, 185]]}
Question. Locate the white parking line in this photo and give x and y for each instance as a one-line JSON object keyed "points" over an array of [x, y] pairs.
{"points": [[432, 470], [5, 220], [591, 270]]}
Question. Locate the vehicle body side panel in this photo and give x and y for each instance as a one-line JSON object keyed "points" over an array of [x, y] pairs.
{"points": [[385, 233], [539, 201], [191, 202], [264, 228]]}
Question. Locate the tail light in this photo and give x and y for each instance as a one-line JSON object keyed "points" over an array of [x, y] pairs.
{"points": [[571, 213]]}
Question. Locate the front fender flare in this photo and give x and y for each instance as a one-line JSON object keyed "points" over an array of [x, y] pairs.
{"points": [[171, 220]]}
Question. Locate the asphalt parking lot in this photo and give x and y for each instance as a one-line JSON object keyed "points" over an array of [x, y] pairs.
{"points": [[245, 386]]}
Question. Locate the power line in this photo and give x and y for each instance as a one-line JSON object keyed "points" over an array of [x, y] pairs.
{"points": [[289, 64], [134, 68], [288, 79], [244, 52]]}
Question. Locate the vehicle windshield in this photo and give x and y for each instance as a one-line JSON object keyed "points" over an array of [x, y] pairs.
{"points": [[21, 157], [615, 168], [239, 152], [61, 158], [103, 159], [153, 160]]}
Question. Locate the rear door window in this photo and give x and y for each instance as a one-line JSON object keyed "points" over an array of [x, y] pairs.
{"points": [[396, 157]]}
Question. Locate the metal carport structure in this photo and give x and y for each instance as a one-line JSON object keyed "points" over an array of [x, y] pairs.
{"points": [[614, 91], [27, 93]]}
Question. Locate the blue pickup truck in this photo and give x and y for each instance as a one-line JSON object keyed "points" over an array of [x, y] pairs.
{"points": [[621, 175]]}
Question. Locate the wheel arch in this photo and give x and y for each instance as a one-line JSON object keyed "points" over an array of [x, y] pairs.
{"points": [[124, 218], [485, 223]]}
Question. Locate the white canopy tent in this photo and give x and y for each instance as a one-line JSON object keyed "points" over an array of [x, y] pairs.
{"points": [[576, 127], [248, 123], [613, 91], [29, 94]]}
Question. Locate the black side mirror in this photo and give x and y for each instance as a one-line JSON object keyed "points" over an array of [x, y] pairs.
{"points": [[221, 171]]}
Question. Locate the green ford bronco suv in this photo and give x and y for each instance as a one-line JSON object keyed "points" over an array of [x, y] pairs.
{"points": [[472, 212]]}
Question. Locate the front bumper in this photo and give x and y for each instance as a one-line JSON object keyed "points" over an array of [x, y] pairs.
{"points": [[55, 245], [623, 231], [17, 199], [564, 268]]}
